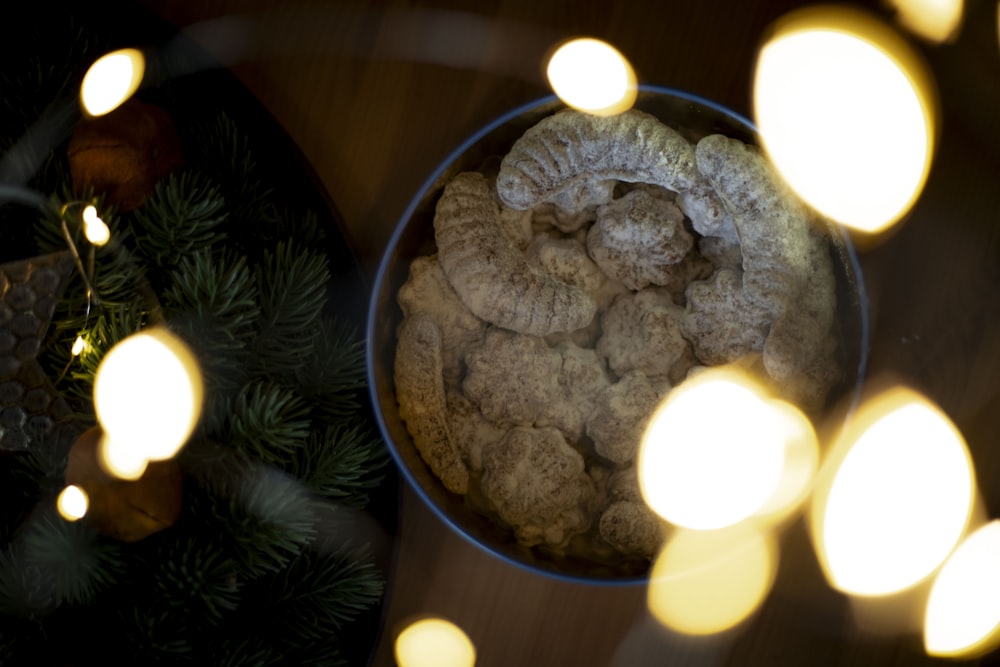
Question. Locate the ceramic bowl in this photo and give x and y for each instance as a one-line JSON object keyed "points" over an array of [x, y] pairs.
{"points": [[694, 117]]}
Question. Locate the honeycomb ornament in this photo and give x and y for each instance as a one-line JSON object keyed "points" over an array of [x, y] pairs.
{"points": [[30, 408]]}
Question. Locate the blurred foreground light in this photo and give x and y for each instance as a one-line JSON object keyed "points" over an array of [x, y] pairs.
{"points": [[847, 112], [934, 20], [706, 582], [121, 460], [111, 80], [963, 611], [434, 642], [894, 497], [95, 229], [592, 76], [72, 503], [702, 471], [147, 396]]}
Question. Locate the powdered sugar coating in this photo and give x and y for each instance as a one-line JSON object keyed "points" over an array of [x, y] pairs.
{"points": [[422, 404], [489, 273], [717, 266], [569, 151], [637, 238], [538, 484]]}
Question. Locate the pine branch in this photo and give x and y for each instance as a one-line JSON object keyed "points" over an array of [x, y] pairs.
{"points": [[179, 219], [150, 634], [212, 305], [318, 595], [268, 422], [56, 562], [193, 577], [289, 224], [265, 515], [247, 649], [342, 463], [105, 331], [292, 286], [228, 158], [335, 371]]}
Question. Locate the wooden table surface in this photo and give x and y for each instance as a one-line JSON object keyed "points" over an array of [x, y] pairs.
{"points": [[377, 93]]}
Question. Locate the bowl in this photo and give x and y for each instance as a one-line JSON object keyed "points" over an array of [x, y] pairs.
{"points": [[691, 116]]}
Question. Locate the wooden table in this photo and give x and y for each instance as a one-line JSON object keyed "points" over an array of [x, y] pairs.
{"points": [[376, 93]]}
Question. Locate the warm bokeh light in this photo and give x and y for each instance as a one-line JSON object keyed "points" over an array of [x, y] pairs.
{"points": [[147, 396], [111, 80], [963, 611], [936, 21], [592, 76], [120, 460], [704, 472], [72, 503], [706, 582], [79, 345], [95, 229], [434, 642], [847, 112], [894, 497]]}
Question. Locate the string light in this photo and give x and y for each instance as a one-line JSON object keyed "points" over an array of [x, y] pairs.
{"points": [[592, 76], [79, 345], [111, 80], [95, 229], [936, 21], [847, 112], [876, 527], [147, 396], [705, 473], [963, 609], [706, 582], [434, 642], [72, 503]]}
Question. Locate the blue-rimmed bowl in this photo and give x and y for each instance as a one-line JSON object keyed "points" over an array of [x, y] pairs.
{"points": [[692, 116]]}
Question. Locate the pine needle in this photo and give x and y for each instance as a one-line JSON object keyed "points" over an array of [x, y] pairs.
{"points": [[179, 219]]}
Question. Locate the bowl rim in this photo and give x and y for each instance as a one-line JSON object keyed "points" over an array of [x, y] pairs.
{"points": [[385, 265]]}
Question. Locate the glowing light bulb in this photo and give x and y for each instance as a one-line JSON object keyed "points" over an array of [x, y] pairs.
{"points": [[963, 610], [120, 460], [95, 229], [934, 20], [894, 498], [699, 471], [72, 503], [79, 345], [847, 113], [592, 76], [434, 642], [111, 80], [705, 582], [147, 396]]}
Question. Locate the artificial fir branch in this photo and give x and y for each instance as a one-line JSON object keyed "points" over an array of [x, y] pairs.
{"points": [[152, 635], [212, 304], [54, 562], [268, 423], [318, 594], [292, 283], [334, 372], [192, 577], [266, 515], [100, 332], [336, 463], [228, 158], [252, 311], [179, 219]]}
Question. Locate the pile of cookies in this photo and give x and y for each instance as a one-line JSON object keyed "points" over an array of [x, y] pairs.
{"points": [[603, 262]]}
